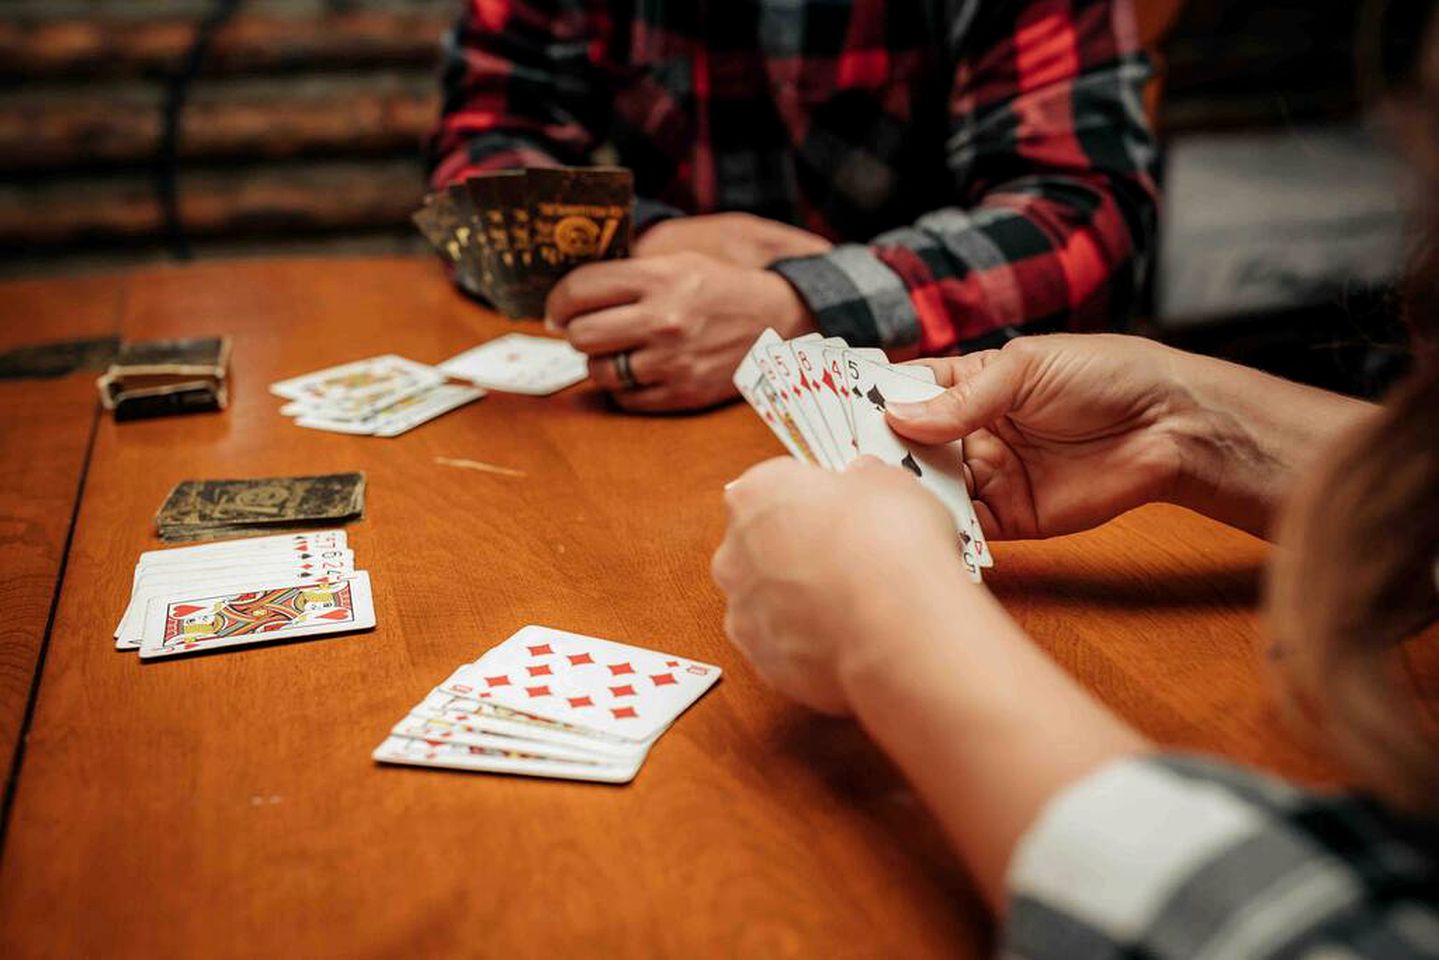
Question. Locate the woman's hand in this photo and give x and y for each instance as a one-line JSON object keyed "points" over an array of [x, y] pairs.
{"points": [[1067, 431], [847, 594], [820, 570], [1062, 432]]}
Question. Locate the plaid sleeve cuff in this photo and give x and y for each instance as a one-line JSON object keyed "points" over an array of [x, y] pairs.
{"points": [[650, 212], [1184, 857], [852, 294]]}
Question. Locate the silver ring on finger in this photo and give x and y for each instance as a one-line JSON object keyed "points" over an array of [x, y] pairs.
{"points": [[623, 372]]}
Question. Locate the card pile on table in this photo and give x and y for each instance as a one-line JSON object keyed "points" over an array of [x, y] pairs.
{"points": [[238, 593], [155, 378], [547, 703], [224, 509], [381, 396], [511, 235], [825, 402]]}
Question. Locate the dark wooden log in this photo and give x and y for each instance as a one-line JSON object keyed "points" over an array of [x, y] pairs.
{"points": [[266, 199], [356, 115], [251, 43]]}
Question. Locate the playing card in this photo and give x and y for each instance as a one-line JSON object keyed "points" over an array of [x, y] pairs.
{"points": [[519, 363], [939, 468], [154, 584], [497, 198], [432, 228], [397, 418], [768, 388], [424, 407], [512, 234], [577, 215], [459, 756], [827, 389], [483, 715], [286, 543], [468, 269], [315, 421], [262, 500], [446, 222], [208, 564], [235, 531], [360, 388], [751, 384], [593, 684], [474, 734], [795, 386], [205, 619]]}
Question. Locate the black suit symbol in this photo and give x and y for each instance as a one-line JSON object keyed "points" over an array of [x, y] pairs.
{"points": [[875, 397], [909, 464]]}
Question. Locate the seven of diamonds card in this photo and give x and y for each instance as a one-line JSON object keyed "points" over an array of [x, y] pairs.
{"points": [[600, 685]]}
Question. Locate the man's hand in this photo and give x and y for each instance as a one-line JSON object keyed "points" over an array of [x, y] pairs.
{"points": [[685, 319], [741, 239]]}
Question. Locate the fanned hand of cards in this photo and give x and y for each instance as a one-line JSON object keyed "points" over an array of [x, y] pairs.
{"points": [[222, 509], [511, 235], [223, 595], [546, 703], [381, 396], [825, 402]]}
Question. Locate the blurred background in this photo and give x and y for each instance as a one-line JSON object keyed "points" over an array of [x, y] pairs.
{"points": [[144, 131]]}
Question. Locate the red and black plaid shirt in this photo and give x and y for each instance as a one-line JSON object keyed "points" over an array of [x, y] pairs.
{"points": [[984, 166]]}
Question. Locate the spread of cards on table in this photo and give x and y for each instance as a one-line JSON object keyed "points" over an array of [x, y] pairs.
{"points": [[388, 395], [213, 596], [825, 402], [379, 396], [548, 703], [511, 235]]}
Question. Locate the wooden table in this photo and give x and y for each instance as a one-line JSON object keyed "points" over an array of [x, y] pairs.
{"points": [[46, 427], [227, 806]]}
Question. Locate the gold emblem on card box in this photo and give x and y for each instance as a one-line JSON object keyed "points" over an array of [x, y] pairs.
{"points": [[577, 237]]}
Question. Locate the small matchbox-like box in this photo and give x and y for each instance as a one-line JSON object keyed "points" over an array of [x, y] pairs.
{"points": [[159, 378]]}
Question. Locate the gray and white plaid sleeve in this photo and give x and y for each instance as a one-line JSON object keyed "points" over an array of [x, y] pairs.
{"points": [[1177, 857]]}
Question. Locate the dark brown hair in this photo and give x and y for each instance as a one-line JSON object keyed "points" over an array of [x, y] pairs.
{"points": [[1352, 592]]}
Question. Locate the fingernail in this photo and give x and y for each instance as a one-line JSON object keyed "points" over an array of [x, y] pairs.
{"points": [[904, 411], [551, 326], [731, 485]]}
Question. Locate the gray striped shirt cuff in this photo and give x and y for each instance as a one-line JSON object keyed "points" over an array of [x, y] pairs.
{"points": [[854, 295], [1173, 857]]}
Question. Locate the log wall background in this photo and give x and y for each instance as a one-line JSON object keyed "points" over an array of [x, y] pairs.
{"points": [[303, 130]]}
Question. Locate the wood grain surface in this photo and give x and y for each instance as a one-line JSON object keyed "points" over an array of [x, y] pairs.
{"points": [[226, 806], [45, 431]]}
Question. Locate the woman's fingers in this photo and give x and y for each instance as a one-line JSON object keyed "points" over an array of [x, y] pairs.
{"points": [[984, 388]]}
